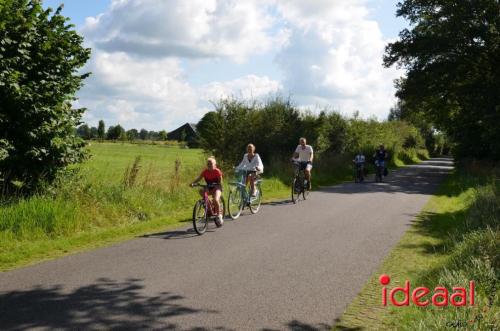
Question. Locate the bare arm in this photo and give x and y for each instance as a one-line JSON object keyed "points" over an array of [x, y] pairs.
{"points": [[196, 180]]}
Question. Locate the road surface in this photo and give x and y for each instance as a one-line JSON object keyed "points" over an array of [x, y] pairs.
{"points": [[290, 267]]}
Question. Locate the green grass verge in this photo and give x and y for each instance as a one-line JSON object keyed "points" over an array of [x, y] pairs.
{"points": [[455, 239]]}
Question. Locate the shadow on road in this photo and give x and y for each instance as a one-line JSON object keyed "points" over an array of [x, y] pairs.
{"points": [[300, 326], [176, 234], [412, 179], [105, 305]]}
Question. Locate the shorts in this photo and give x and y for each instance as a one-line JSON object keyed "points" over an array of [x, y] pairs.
{"points": [[305, 165], [211, 189]]}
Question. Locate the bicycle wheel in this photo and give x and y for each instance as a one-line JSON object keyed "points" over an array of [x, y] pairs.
{"points": [[223, 206], [296, 189], [200, 220], [235, 203], [256, 201], [305, 193]]}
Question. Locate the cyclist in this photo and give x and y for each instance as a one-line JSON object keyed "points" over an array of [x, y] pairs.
{"points": [[381, 156], [359, 162], [304, 154], [213, 178], [251, 162]]}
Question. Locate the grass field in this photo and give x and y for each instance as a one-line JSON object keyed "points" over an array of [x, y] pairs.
{"points": [[455, 239]]}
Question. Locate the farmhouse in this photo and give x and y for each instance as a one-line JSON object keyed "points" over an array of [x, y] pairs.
{"points": [[186, 132]]}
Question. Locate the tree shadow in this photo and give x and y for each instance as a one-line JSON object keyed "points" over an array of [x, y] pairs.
{"points": [[107, 304], [413, 179], [296, 325]]}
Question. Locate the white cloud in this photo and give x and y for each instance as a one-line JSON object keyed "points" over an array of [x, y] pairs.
{"points": [[133, 92], [329, 52], [248, 87], [195, 28], [334, 57]]}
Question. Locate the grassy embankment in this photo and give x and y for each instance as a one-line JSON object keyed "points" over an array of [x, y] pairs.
{"points": [[455, 239], [93, 207]]}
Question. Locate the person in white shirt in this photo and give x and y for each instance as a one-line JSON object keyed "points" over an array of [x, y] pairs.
{"points": [[359, 162], [304, 155], [253, 165]]}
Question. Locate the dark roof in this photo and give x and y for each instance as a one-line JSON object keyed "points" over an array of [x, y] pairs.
{"points": [[188, 130]]}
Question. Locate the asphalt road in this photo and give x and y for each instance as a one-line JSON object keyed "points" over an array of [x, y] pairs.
{"points": [[290, 267]]}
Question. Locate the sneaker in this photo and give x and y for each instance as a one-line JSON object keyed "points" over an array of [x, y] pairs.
{"points": [[219, 221], [254, 193]]}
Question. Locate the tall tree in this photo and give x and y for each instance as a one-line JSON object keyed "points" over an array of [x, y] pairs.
{"points": [[101, 130], [84, 131], [40, 58], [144, 134], [451, 54], [162, 135], [132, 134]]}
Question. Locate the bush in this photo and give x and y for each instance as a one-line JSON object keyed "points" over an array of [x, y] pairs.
{"points": [[276, 126], [40, 58]]}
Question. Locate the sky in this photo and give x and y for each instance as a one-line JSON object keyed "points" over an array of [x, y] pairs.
{"points": [[157, 64]]}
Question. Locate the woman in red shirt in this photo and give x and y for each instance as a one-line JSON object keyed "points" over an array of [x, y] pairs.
{"points": [[213, 178]]}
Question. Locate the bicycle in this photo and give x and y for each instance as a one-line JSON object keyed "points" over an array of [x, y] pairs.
{"points": [[240, 197], [358, 173], [299, 183], [204, 210], [379, 171]]}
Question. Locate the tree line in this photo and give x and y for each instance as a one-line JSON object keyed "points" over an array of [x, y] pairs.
{"points": [[117, 132], [451, 55], [276, 126]]}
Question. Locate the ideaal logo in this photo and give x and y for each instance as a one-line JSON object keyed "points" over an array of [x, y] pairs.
{"points": [[422, 296]]}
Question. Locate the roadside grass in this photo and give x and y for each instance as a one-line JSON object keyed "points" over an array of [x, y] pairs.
{"points": [[124, 191], [455, 239]]}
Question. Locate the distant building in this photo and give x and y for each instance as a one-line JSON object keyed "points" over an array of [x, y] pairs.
{"points": [[186, 133]]}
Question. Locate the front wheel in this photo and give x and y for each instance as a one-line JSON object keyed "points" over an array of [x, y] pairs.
{"points": [[256, 201], [235, 203], [305, 192], [296, 189], [200, 220]]}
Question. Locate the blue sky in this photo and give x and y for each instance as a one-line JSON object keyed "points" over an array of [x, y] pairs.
{"points": [[157, 64]]}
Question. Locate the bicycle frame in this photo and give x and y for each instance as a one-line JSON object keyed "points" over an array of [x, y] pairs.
{"points": [[242, 185], [209, 206], [299, 175]]}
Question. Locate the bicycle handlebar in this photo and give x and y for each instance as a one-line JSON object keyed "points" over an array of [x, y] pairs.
{"points": [[204, 185]]}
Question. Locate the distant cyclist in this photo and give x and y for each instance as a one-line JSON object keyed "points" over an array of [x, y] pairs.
{"points": [[359, 163], [305, 155], [381, 156], [213, 178], [253, 164]]}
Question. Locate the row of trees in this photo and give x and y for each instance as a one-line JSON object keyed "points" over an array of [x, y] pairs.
{"points": [[117, 132], [276, 126], [451, 54]]}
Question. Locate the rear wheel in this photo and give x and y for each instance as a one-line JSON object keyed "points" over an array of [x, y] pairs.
{"points": [[235, 203], [200, 220], [256, 201]]}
